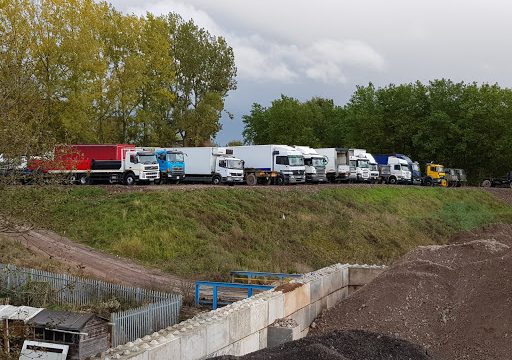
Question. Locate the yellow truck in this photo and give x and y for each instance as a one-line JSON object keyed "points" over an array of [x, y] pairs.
{"points": [[435, 175]]}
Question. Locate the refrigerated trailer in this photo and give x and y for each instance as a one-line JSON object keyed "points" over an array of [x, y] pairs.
{"points": [[216, 165], [271, 164], [115, 163]]}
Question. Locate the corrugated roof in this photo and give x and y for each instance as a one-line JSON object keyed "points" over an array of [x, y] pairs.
{"points": [[21, 313], [62, 320]]}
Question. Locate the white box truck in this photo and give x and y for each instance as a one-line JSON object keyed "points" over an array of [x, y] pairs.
{"points": [[314, 164], [350, 165], [271, 164], [215, 165]]}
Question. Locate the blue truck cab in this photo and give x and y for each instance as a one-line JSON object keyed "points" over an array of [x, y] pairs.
{"points": [[172, 165]]}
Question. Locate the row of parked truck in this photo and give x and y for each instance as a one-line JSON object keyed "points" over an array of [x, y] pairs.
{"points": [[252, 165]]}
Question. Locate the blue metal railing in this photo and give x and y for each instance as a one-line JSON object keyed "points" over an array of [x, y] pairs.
{"points": [[260, 276], [217, 285]]}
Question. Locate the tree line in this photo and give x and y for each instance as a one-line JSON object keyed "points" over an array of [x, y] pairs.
{"points": [[79, 71], [462, 125]]}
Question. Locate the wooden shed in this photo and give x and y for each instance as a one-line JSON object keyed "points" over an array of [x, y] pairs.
{"points": [[13, 325], [85, 334]]}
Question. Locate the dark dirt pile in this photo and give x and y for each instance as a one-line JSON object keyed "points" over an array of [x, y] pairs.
{"points": [[455, 300], [342, 345]]}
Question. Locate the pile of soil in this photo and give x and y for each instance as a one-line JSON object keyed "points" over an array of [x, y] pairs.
{"points": [[342, 345], [454, 300]]}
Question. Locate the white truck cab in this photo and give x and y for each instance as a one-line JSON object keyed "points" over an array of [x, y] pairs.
{"points": [[400, 170], [315, 164], [374, 168], [230, 168], [359, 165], [142, 164]]}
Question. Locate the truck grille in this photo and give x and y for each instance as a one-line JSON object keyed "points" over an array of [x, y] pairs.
{"points": [[320, 171], [298, 172], [151, 167], [177, 169]]}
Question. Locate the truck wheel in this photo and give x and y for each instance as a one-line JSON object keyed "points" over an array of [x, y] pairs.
{"points": [[251, 180], [129, 179], [428, 182], [216, 180], [158, 181], [392, 180], [486, 183], [280, 180], [84, 180]]}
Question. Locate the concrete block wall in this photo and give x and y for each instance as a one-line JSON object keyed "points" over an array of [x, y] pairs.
{"points": [[242, 327]]}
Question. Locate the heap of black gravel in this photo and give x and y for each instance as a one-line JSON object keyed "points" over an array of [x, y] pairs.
{"points": [[342, 345]]}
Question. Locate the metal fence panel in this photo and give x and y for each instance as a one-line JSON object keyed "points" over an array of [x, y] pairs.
{"points": [[160, 310]]}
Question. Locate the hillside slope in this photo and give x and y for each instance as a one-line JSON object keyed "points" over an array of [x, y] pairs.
{"points": [[210, 231]]}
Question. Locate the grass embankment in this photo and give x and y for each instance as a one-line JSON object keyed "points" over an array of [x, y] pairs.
{"points": [[212, 231]]}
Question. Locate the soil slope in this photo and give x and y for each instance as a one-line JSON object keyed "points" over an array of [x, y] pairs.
{"points": [[454, 300]]}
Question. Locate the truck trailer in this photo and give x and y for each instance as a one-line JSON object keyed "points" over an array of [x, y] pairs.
{"points": [[314, 164], [346, 165], [115, 163], [271, 164], [215, 165], [172, 164]]}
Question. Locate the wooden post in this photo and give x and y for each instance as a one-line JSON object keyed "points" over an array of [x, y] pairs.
{"points": [[6, 336]]}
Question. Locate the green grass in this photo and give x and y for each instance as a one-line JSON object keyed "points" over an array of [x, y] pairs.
{"points": [[208, 232]]}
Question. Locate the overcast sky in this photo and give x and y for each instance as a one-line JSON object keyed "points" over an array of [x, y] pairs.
{"points": [[306, 48]]}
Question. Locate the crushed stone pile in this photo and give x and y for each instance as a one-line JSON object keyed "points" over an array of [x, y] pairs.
{"points": [[454, 300], [341, 345]]}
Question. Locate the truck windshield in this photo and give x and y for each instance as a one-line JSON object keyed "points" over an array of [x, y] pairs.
{"points": [[175, 157], [235, 164], [147, 159], [318, 162], [374, 167], [295, 160], [363, 164], [406, 167], [439, 169]]}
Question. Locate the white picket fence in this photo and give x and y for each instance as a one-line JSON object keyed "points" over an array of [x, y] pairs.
{"points": [[159, 311]]}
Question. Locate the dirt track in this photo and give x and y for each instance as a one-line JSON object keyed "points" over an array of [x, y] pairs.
{"points": [[98, 264]]}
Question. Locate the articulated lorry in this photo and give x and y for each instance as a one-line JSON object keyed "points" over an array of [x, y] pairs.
{"points": [[314, 164], [399, 169], [271, 164], [172, 165], [346, 165], [215, 165], [116, 163]]}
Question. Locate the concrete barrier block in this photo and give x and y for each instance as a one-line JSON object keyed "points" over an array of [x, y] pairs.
{"points": [[344, 293], [359, 276], [217, 335], [193, 343], [334, 298], [326, 285], [301, 317], [139, 356], [279, 335], [250, 344], [316, 289], [239, 324], [297, 299], [344, 275], [171, 349], [228, 350], [259, 316], [263, 338], [275, 308]]}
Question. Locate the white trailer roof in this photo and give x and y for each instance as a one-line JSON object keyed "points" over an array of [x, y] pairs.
{"points": [[21, 313]]}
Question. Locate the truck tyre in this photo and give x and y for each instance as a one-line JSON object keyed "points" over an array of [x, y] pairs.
{"points": [[486, 183], [251, 180], [280, 180], [158, 181], [428, 182], [129, 179], [216, 180], [84, 179], [392, 180]]}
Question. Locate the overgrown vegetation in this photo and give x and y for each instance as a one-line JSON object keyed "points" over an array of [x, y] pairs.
{"points": [[213, 231]]}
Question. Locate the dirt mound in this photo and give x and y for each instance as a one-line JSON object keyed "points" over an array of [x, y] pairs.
{"points": [[454, 300], [342, 345]]}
